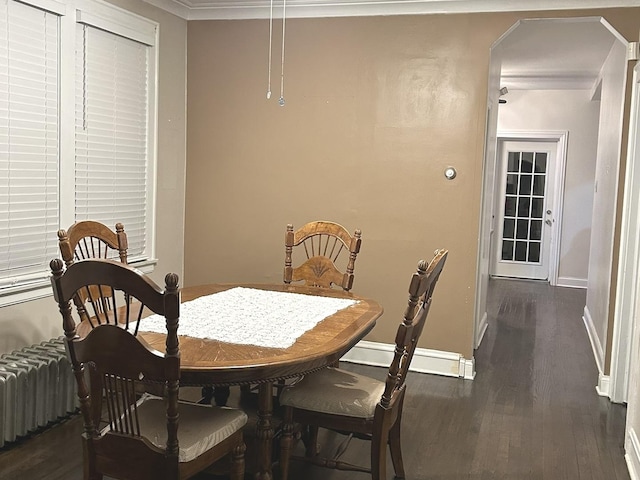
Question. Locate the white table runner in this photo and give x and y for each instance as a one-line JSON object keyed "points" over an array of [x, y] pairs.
{"points": [[250, 316]]}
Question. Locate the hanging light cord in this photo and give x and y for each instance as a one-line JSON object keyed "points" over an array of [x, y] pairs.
{"points": [[284, 20], [270, 42]]}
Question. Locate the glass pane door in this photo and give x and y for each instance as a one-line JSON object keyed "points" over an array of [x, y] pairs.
{"points": [[524, 220], [524, 206]]}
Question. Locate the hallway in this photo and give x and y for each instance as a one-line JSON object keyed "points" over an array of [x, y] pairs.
{"points": [[536, 387]]}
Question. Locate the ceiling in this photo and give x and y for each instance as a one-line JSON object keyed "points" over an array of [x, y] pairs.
{"points": [[537, 53], [555, 53]]}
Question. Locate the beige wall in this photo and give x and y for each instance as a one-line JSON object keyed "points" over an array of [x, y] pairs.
{"points": [[376, 107]]}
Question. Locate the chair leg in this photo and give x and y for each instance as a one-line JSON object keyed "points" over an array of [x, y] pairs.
{"points": [[89, 475], [237, 461], [221, 395], [312, 441], [207, 395], [286, 443], [396, 449], [379, 457], [88, 464]]}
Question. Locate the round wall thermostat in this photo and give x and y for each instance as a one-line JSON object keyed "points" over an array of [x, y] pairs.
{"points": [[450, 173]]}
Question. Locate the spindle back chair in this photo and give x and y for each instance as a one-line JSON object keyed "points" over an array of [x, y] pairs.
{"points": [[358, 405], [91, 239], [330, 252], [140, 440]]}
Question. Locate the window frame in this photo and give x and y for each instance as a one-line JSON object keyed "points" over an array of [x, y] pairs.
{"points": [[121, 22]]}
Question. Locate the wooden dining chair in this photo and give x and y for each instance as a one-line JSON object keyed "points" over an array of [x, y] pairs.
{"points": [[330, 253], [146, 437], [347, 402], [91, 239]]}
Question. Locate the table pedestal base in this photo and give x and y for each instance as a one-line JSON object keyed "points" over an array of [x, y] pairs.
{"points": [[264, 431]]}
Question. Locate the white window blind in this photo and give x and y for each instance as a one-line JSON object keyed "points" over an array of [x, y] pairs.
{"points": [[111, 133], [29, 141]]}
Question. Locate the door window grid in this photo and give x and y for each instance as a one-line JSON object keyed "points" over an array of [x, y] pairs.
{"points": [[524, 207]]}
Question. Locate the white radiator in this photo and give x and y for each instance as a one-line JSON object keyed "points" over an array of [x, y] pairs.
{"points": [[37, 387]]}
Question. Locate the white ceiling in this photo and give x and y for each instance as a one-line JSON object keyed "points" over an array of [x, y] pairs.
{"points": [[566, 53], [554, 53]]}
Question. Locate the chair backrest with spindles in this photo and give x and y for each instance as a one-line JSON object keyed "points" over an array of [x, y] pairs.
{"points": [[90, 239], [124, 364], [330, 252]]}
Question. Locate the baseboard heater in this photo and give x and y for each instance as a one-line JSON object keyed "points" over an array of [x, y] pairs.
{"points": [[37, 388]]}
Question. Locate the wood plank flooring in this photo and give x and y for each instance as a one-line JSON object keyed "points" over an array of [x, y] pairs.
{"points": [[532, 412]]}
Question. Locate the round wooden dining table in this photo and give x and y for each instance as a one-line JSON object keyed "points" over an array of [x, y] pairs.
{"points": [[206, 362]]}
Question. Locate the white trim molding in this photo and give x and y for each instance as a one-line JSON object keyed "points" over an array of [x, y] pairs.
{"points": [[246, 9], [571, 81], [481, 329], [626, 300], [572, 282], [598, 352], [424, 360], [632, 454], [603, 387], [42, 287]]}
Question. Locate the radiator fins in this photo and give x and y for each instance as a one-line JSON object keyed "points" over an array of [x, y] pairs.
{"points": [[37, 388]]}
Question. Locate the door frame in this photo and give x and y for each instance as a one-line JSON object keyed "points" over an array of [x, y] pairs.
{"points": [[559, 137], [628, 280]]}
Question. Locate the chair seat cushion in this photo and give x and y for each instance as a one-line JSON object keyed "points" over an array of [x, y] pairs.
{"points": [[200, 427], [335, 391]]}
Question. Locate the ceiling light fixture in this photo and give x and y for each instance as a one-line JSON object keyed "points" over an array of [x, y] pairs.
{"points": [[270, 43], [284, 19]]}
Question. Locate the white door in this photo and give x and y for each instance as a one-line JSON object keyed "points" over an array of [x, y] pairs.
{"points": [[524, 216]]}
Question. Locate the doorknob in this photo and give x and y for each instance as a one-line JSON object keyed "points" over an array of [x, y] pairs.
{"points": [[548, 222]]}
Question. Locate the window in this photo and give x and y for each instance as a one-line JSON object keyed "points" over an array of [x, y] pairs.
{"points": [[111, 132], [29, 150], [77, 131]]}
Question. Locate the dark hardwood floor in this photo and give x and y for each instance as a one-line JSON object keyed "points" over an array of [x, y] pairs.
{"points": [[532, 411]]}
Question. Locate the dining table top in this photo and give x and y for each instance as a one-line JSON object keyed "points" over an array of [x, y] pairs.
{"points": [[204, 361]]}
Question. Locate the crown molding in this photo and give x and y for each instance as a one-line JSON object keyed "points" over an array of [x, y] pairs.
{"points": [[568, 81], [248, 9]]}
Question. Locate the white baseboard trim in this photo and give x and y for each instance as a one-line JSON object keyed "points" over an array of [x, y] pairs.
{"points": [[424, 360], [482, 328], [596, 346], [572, 282], [604, 381], [632, 454], [604, 385]]}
